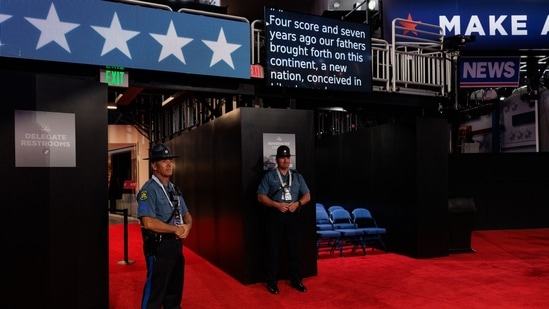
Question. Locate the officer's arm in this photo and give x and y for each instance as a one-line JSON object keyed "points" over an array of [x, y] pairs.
{"points": [[267, 201], [156, 225], [305, 199], [188, 219]]}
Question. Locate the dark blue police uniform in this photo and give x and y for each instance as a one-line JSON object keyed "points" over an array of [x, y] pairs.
{"points": [[282, 225], [166, 267]]}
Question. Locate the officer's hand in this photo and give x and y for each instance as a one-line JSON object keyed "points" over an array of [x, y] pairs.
{"points": [[182, 231], [283, 207], [293, 206]]}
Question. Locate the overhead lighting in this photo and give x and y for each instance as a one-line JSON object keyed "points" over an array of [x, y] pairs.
{"points": [[168, 100], [373, 5], [336, 5], [118, 97], [114, 105], [172, 97], [333, 109]]}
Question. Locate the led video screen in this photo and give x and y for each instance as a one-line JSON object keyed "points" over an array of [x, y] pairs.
{"points": [[314, 52]]}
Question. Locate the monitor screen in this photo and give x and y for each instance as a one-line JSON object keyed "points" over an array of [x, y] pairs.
{"points": [[314, 52]]}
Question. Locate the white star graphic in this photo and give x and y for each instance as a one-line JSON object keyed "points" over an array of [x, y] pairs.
{"points": [[52, 30], [115, 37], [4, 17], [221, 49], [171, 43]]}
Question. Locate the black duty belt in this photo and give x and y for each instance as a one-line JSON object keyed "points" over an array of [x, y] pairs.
{"points": [[168, 236]]}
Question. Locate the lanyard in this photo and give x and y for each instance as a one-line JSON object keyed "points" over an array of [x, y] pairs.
{"points": [[176, 211], [163, 189], [289, 178]]}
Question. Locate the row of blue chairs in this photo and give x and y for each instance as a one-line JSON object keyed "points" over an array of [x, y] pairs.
{"points": [[336, 227]]}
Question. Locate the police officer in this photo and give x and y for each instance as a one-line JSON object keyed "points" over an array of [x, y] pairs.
{"points": [[165, 221], [283, 191]]}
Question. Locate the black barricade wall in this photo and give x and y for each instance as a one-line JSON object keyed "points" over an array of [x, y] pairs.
{"points": [[55, 230], [220, 169], [509, 189]]}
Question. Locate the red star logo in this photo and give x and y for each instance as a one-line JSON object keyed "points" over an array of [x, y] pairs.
{"points": [[410, 27]]}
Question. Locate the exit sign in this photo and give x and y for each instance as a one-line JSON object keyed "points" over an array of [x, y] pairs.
{"points": [[114, 76]]}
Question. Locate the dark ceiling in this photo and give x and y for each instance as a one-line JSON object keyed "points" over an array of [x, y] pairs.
{"points": [[254, 9], [250, 9]]}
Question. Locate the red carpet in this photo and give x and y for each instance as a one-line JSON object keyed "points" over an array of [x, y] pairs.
{"points": [[510, 269]]}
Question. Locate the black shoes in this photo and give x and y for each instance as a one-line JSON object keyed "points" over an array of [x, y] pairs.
{"points": [[299, 286], [273, 289]]}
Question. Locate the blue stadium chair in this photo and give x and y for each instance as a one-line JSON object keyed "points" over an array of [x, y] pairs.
{"points": [[320, 205], [333, 207], [323, 222], [326, 237], [342, 221], [372, 233]]}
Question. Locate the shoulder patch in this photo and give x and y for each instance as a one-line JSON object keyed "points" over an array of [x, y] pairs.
{"points": [[143, 195]]}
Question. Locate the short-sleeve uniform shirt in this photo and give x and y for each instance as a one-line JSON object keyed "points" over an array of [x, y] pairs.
{"points": [[153, 202], [271, 186]]}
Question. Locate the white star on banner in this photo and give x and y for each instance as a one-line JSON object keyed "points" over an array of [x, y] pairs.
{"points": [[171, 43], [115, 37], [52, 30], [221, 49], [4, 17]]}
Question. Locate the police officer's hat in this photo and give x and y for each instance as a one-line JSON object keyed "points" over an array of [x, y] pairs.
{"points": [[160, 152], [283, 151]]}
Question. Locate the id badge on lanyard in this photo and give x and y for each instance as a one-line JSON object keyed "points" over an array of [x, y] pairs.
{"points": [[287, 196]]}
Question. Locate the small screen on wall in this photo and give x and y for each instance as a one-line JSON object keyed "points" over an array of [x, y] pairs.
{"points": [[313, 52]]}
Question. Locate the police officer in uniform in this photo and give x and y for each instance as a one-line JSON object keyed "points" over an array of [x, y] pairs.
{"points": [[165, 221], [283, 192]]}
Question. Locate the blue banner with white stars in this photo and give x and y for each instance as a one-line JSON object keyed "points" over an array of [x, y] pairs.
{"points": [[130, 36]]}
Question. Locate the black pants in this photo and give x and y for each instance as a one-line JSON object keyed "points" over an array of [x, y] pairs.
{"points": [[283, 226], [165, 276]]}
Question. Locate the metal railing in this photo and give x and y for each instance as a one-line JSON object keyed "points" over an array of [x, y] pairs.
{"points": [[381, 66], [419, 62], [258, 40]]}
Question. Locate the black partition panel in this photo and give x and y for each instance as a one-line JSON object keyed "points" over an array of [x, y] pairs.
{"points": [[60, 256], [398, 171], [509, 189], [219, 171]]}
